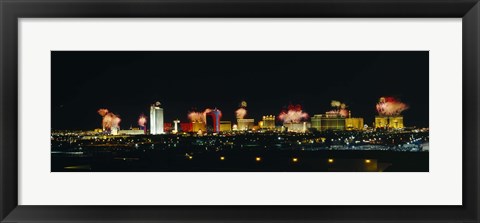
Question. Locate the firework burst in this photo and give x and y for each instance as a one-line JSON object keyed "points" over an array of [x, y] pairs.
{"points": [[294, 114], [339, 108], [109, 120], [142, 120], [390, 106]]}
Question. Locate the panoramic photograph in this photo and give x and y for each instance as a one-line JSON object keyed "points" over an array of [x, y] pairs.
{"points": [[239, 111]]}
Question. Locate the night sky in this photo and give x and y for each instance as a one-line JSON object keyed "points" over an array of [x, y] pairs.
{"points": [[127, 83]]}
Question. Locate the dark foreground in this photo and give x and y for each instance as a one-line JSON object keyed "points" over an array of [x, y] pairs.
{"points": [[244, 161]]}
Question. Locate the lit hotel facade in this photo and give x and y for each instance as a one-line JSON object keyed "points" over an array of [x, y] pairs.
{"points": [[389, 122], [156, 119]]}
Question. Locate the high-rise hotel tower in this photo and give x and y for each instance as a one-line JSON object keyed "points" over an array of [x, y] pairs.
{"points": [[156, 119]]}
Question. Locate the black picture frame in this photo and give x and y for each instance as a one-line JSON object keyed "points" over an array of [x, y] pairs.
{"points": [[12, 10]]}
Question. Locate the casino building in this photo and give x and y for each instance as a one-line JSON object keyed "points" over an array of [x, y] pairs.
{"points": [[268, 122], [245, 124], [213, 120], [389, 122], [333, 121], [225, 126], [156, 119], [354, 123]]}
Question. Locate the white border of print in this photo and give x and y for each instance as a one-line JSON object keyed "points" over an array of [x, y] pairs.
{"points": [[441, 186]]}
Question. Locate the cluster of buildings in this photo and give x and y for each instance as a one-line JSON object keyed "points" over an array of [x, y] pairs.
{"points": [[319, 122], [212, 123], [389, 122], [333, 121]]}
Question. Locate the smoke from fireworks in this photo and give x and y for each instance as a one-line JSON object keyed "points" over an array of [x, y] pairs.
{"points": [[142, 120], [196, 117], [102, 111], [240, 113], [339, 108], [199, 116], [390, 106], [335, 103], [294, 114], [243, 104], [109, 120]]}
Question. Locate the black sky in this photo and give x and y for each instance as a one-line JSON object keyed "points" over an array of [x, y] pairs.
{"points": [[128, 82]]}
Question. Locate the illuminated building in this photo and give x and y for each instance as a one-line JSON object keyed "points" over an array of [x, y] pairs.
{"points": [[213, 120], [114, 130], [354, 123], [225, 126], [131, 132], [297, 127], [175, 127], [395, 122], [329, 121], [156, 119], [268, 122], [389, 122], [381, 122], [198, 126], [167, 127], [332, 120], [331, 114], [316, 121], [245, 124], [186, 127], [333, 123]]}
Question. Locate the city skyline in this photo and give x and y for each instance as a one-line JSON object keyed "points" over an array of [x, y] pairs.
{"points": [[240, 111], [292, 114], [108, 89]]}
